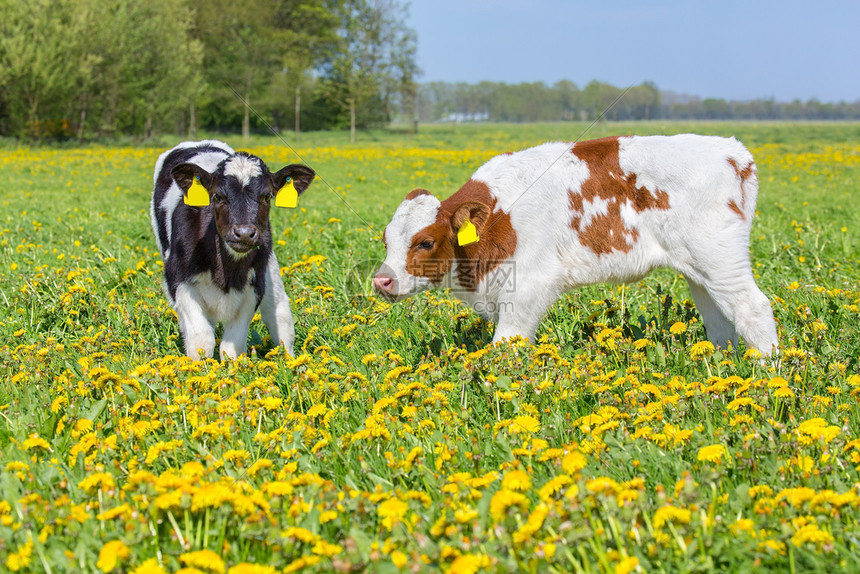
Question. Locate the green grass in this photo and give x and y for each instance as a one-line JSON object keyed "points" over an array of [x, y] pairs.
{"points": [[396, 438]]}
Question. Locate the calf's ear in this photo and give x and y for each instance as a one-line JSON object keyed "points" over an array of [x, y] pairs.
{"points": [[476, 212], [195, 182], [184, 174], [469, 221], [301, 177], [417, 193]]}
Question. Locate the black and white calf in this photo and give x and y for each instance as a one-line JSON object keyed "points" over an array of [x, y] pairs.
{"points": [[218, 260]]}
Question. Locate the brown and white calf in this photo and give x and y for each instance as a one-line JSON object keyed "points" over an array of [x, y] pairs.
{"points": [[561, 215], [218, 260]]}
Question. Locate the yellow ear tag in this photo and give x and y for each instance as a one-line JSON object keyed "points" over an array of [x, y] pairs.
{"points": [[287, 195], [467, 234], [197, 195]]}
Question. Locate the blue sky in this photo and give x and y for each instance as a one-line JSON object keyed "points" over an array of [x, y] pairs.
{"points": [[726, 49]]}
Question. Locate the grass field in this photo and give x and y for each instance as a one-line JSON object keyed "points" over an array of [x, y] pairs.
{"points": [[396, 439]]}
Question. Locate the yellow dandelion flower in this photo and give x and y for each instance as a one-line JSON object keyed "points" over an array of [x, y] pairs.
{"points": [[96, 481], [796, 496], [752, 355], [814, 429], [503, 500], [640, 344], [627, 565], [20, 559], [532, 524], [383, 404], [678, 327], [525, 423], [573, 462], [397, 372], [399, 559], [775, 545], [670, 513], [602, 484], [160, 447], [35, 441], [58, 403], [392, 511], [553, 486], [810, 533], [247, 568], [702, 350], [317, 410], [302, 534], [110, 554], [258, 466], [205, 560], [302, 563], [469, 564], [518, 480], [123, 510], [327, 516], [742, 525], [712, 453], [150, 566], [324, 548], [271, 404]]}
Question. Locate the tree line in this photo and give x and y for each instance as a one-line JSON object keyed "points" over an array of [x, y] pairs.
{"points": [[530, 102], [101, 68]]}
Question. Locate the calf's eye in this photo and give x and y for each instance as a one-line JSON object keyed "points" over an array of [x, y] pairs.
{"points": [[219, 199], [425, 245]]}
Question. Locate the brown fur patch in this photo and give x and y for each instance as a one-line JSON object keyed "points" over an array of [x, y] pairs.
{"points": [[607, 232], [734, 207], [743, 175], [498, 240], [433, 263], [417, 192]]}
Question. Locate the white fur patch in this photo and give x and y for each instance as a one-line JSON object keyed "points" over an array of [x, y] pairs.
{"points": [[220, 306], [235, 254], [185, 145], [200, 305], [243, 169], [411, 216]]}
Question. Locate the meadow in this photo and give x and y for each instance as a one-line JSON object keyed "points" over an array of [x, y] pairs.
{"points": [[398, 439]]}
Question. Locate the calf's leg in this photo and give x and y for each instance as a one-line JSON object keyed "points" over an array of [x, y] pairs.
{"points": [[521, 315], [235, 340], [275, 308], [198, 334], [726, 276], [720, 330]]}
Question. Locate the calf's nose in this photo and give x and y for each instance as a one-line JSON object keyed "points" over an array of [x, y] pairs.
{"points": [[383, 284], [244, 233]]}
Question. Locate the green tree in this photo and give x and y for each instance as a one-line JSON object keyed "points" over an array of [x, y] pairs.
{"points": [[240, 48], [376, 44], [309, 31], [35, 71], [598, 100]]}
